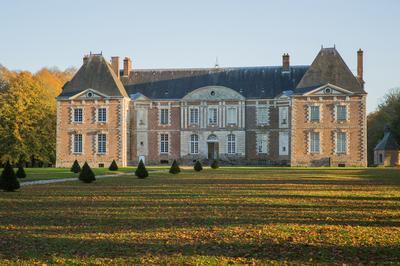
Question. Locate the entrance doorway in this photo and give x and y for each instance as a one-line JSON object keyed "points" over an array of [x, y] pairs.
{"points": [[212, 145], [212, 150]]}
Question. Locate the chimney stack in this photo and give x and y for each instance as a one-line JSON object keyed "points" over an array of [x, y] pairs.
{"points": [[127, 66], [360, 68], [85, 58], [285, 62], [115, 65]]}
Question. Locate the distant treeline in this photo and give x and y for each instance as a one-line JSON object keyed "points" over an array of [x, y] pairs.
{"points": [[28, 114], [387, 113]]}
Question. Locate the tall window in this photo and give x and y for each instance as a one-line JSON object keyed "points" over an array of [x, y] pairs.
{"points": [[231, 144], [194, 116], [262, 143], [232, 115], [314, 113], [78, 147], [101, 143], [102, 115], [78, 115], [164, 143], [314, 142], [212, 116], [194, 144], [164, 116], [341, 112], [341, 142], [262, 115]]}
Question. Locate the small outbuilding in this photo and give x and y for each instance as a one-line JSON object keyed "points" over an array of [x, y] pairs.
{"points": [[387, 151]]}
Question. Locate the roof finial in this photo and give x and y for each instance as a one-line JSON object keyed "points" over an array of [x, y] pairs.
{"points": [[216, 62], [322, 47]]}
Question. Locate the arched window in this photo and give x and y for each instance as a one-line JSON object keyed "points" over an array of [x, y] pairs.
{"points": [[194, 144], [231, 144]]}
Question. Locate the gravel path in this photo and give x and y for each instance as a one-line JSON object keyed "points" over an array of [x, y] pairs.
{"points": [[51, 181]]}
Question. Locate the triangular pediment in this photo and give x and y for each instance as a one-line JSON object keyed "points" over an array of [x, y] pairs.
{"points": [[327, 90], [88, 94]]}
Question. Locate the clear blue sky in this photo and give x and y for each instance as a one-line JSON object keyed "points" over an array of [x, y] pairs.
{"points": [[165, 34]]}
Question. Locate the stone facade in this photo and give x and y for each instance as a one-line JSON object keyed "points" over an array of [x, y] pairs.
{"points": [[258, 116]]}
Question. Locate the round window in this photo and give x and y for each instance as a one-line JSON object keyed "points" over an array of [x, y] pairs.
{"points": [[89, 94], [212, 93], [328, 90]]}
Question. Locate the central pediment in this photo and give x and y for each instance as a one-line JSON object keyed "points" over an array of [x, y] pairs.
{"points": [[214, 93]]}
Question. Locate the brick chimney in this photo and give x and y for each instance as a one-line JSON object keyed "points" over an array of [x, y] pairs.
{"points": [[285, 62], [115, 65], [127, 66], [360, 68]]}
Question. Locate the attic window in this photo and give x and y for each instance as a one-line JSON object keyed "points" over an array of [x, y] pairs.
{"points": [[166, 92], [212, 93], [89, 94], [262, 91], [328, 90]]}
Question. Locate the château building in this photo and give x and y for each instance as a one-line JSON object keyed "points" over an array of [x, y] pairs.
{"points": [[303, 115]]}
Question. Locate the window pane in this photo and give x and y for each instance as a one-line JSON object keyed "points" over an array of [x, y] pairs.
{"points": [[194, 116], [315, 143], [78, 115], [194, 144], [341, 142], [231, 144], [164, 143], [262, 115], [314, 115], [101, 143], [78, 143], [341, 113], [102, 115], [232, 115], [164, 116], [212, 116]]}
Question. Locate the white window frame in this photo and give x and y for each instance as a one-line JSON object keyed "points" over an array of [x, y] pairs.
{"points": [[262, 143], [341, 148], [345, 112], [315, 148], [212, 115], [164, 143], [195, 119], [231, 144], [262, 118], [101, 143], [311, 113], [164, 116], [231, 118], [194, 144], [75, 116], [77, 144], [101, 119]]}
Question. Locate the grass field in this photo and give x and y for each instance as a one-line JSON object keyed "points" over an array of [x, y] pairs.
{"points": [[226, 216]]}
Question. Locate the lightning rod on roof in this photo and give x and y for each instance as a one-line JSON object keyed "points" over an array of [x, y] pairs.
{"points": [[216, 62]]}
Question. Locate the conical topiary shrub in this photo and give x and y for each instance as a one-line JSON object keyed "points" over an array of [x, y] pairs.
{"points": [[8, 180], [20, 172], [113, 166], [174, 168], [86, 175], [197, 166], [76, 168], [141, 171], [214, 164]]}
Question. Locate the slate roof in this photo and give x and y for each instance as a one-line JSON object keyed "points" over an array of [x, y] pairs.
{"points": [[95, 74], [251, 82], [388, 142], [329, 67]]}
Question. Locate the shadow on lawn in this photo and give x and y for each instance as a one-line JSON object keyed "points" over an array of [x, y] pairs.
{"points": [[44, 248]]}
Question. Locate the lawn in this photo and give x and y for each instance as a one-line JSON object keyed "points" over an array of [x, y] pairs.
{"points": [[226, 216], [58, 173]]}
